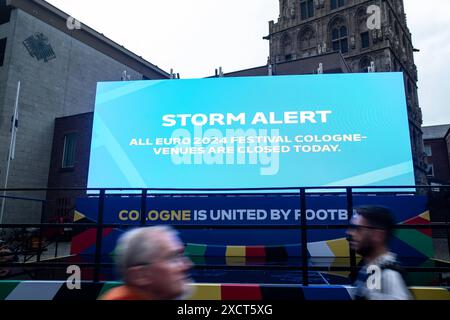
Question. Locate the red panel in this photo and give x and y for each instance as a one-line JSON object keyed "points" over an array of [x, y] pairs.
{"points": [[255, 251], [241, 292], [426, 232], [86, 239], [419, 220], [416, 220]]}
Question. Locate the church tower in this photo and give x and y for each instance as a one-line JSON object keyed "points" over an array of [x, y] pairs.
{"points": [[372, 36]]}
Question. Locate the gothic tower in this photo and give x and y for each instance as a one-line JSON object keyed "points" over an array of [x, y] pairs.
{"points": [[313, 27]]}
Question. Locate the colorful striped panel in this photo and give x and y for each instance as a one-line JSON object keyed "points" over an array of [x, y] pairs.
{"points": [[277, 252], [57, 290], [85, 242]]}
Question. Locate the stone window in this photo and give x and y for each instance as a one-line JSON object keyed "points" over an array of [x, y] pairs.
{"points": [[397, 29], [430, 170], [5, 14], [69, 150], [365, 40], [307, 38], [286, 45], [339, 36], [361, 23]]}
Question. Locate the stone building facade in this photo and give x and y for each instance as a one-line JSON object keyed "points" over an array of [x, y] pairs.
{"points": [[437, 142], [58, 66], [313, 27]]}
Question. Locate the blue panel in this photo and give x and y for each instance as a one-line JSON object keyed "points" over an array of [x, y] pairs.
{"points": [[326, 293], [215, 251]]}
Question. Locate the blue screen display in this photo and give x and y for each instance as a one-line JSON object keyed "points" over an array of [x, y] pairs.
{"points": [[252, 132]]}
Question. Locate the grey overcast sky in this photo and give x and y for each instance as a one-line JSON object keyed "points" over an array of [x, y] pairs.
{"points": [[196, 36]]}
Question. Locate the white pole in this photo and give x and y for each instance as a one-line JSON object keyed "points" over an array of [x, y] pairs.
{"points": [[11, 146]]}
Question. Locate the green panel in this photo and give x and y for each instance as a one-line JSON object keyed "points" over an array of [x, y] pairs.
{"points": [[195, 250], [424, 278], [6, 287], [417, 240], [198, 260]]}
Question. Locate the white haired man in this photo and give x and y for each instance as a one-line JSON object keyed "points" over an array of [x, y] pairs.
{"points": [[152, 264]]}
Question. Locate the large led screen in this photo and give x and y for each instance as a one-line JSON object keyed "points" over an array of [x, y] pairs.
{"points": [[252, 132]]}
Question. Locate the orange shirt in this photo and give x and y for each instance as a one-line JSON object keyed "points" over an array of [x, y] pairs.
{"points": [[126, 293]]}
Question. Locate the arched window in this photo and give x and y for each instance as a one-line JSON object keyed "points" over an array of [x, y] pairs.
{"points": [[339, 35], [286, 45], [306, 38], [337, 4]]}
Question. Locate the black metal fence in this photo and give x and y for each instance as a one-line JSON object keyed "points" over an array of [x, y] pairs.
{"points": [[434, 192]]}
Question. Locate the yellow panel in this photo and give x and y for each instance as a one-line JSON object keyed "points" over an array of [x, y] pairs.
{"points": [[235, 261], [206, 292], [344, 274], [235, 251], [339, 247], [78, 216], [424, 293]]}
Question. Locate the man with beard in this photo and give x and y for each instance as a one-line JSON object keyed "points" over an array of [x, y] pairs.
{"points": [[370, 231]]}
